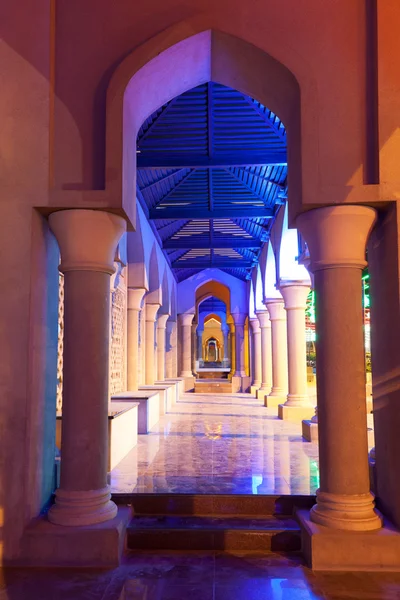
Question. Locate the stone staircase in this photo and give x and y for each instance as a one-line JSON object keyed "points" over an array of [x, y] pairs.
{"points": [[213, 386], [234, 523]]}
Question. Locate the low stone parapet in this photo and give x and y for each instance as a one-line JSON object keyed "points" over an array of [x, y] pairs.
{"points": [[148, 407]]}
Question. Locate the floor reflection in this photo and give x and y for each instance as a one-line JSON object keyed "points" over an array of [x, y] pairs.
{"points": [[228, 444]]}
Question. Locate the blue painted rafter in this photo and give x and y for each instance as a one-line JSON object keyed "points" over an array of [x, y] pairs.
{"points": [[159, 117], [263, 178], [173, 228], [210, 121], [173, 190], [146, 188], [279, 132], [218, 213], [208, 264], [222, 216], [245, 159], [192, 242], [246, 185]]}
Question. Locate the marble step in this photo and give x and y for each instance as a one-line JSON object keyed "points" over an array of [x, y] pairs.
{"points": [[265, 535], [212, 386], [229, 505]]}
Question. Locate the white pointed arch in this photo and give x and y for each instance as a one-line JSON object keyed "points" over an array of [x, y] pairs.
{"points": [[252, 303], [259, 291], [289, 268], [271, 288]]}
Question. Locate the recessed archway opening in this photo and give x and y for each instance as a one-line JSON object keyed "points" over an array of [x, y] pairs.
{"points": [[209, 129]]}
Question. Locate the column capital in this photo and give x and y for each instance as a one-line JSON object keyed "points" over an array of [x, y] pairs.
{"points": [[337, 235], [87, 239], [162, 320], [255, 324], [263, 318], [276, 309], [151, 312], [239, 318], [295, 294], [135, 297], [186, 319]]}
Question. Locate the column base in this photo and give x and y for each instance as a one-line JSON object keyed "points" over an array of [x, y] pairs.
{"points": [[186, 374], [240, 384], [253, 389], [346, 512], [327, 549], [309, 430], [261, 393], [272, 401], [47, 545], [74, 509], [297, 400], [295, 414]]}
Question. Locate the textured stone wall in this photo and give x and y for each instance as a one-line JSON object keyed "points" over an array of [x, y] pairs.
{"points": [[60, 346], [118, 333]]}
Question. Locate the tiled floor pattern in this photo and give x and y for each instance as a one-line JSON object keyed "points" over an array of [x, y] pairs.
{"points": [[220, 444], [198, 577]]}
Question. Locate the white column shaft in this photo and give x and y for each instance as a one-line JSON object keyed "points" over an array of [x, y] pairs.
{"points": [[336, 238], [161, 342], [150, 350], [266, 351], [279, 349], [295, 297], [135, 297], [186, 345], [257, 358], [170, 356], [88, 241]]}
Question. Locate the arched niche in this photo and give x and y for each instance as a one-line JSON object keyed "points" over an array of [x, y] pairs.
{"points": [[177, 61], [271, 275], [216, 289], [154, 295], [136, 256], [259, 294], [165, 308]]}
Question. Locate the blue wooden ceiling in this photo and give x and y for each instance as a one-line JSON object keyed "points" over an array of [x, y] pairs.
{"points": [[212, 171], [212, 305]]}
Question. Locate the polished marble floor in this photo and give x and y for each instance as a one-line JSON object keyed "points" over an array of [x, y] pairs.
{"points": [[221, 444], [194, 576]]}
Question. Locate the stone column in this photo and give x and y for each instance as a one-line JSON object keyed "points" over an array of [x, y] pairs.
{"points": [[255, 326], [266, 355], [232, 347], [336, 237], [185, 320], [200, 332], [150, 344], [298, 405], [239, 320], [142, 345], [135, 297], [226, 357], [194, 347], [161, 342], [170, 349], [277, 316], [87, 240]]}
